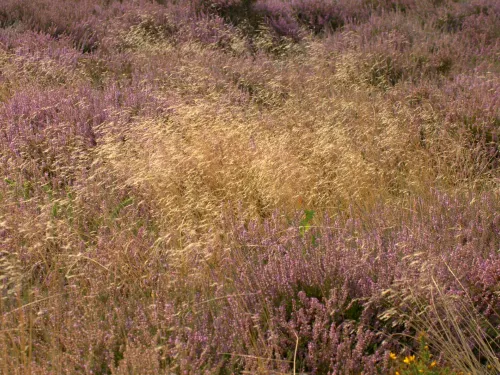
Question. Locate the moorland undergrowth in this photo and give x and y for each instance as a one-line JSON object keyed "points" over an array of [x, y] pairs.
{"points": [[249, 187]]}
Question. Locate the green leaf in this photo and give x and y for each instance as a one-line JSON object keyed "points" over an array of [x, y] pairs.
{"points": [[10, 182], [55, 210], [124, 203], [305, 223]]}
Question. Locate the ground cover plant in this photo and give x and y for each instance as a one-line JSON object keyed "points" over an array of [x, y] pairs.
{"points": [[249, 187]]}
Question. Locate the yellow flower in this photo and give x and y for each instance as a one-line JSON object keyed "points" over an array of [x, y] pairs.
{"points": [[433, 364], [392, 356], [397, 373], [409, 359], [426, 347]]}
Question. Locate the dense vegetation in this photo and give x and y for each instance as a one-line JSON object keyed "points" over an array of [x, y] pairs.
{"points": [[250, 187]]}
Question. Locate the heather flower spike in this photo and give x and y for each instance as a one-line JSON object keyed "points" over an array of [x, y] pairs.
{"points": [[249, 187]]}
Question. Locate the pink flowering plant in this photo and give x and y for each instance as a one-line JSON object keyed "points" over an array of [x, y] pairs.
{"points": [[249, 186]]}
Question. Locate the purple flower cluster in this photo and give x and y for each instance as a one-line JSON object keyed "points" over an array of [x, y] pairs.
{"points": [[97, 277]]}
